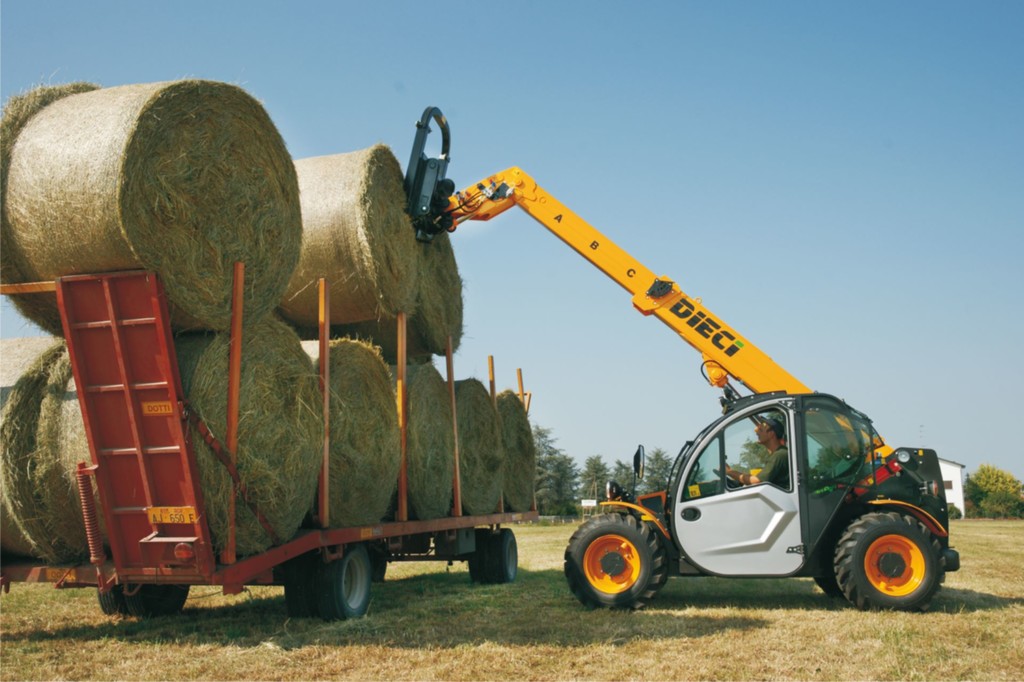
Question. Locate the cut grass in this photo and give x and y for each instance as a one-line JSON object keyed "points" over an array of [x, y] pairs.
{"points": [[428, 622]]}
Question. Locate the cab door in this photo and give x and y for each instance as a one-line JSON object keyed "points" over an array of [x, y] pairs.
{"points": [[750, 530]]}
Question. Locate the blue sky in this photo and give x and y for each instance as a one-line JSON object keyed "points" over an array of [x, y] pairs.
{"points": [[841, 182]]}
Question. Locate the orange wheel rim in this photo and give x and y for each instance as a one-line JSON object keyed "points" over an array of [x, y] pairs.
{"points": [[894, 565], [611, 564]]}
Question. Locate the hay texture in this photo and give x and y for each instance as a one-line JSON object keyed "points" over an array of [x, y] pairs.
{"points": [[19, 421], [184, 178], [18, 110], [357, 235], [438, 308], [520, 466], [365, 448], [16, 356], [430, 444], [481, 453], [56, 527], [280, 429]]}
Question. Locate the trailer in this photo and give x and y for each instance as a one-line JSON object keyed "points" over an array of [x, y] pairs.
{"points": [[145, 477]]}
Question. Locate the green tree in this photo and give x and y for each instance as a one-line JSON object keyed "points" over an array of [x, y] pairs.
{"points": [[557, 476], [753, 455], [593, 477], [623, 473], [993, 493], [656, 471]]}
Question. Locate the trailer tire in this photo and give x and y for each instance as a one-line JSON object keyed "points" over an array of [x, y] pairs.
{"points": [[153, 600], [300, 595], [379, 563], [502, 564], [112, 601], [889, 561], [479, 558], [615, 561], [344, 585]]}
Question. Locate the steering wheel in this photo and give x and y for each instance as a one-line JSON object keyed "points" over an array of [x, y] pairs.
{"points": [[730, 483]]}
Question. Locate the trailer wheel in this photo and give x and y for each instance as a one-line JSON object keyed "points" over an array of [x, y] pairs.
{"points": [[502, 563], [379, 563], [889, 561], [344, 585], [479, 558], [300, 596], [152, 600], [112, 601], [615, 561]]}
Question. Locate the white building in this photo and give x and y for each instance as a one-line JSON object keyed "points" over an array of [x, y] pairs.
{"points": [[953, 481]]}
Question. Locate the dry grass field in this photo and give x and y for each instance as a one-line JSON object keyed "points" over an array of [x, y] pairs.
{"points": [[427, 622]]}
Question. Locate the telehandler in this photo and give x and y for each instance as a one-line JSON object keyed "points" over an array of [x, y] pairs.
{"points": [[864, 520]]}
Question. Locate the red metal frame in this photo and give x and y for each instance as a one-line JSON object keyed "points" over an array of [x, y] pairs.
{"points": [[118, 335], [119, 339]]}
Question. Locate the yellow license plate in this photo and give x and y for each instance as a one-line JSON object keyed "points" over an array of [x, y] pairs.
{"points": [[171, 514]]}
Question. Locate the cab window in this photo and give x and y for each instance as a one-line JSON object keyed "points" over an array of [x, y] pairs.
{"points": [[737, 444], [706, 477], [838, 445]]}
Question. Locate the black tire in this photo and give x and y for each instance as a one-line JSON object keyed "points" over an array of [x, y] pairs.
{"points": [[151, 601], [889, 561], [300, 594], [480, 557], [379, 563], [344, 585], [502, 563], [615, 561], [829, 585], [112, 601]]}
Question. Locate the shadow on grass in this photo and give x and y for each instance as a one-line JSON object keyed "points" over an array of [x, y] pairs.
{"points": [[444, 610]]}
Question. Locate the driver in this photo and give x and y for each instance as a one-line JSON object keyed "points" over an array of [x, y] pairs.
{"points": [[771, 433]]}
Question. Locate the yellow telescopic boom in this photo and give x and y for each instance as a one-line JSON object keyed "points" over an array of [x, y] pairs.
{"points": [[724, 351]]}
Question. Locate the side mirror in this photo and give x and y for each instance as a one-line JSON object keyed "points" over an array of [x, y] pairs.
{"points": [[639, 458]]}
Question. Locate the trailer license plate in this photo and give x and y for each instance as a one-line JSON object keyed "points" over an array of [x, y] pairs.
{"points": [[172, 514]]}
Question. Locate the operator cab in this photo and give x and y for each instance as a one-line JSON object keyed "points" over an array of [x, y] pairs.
{"points": [[770, 526]]}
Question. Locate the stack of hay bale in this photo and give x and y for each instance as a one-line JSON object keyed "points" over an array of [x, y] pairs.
{"points": [[186, 178]]}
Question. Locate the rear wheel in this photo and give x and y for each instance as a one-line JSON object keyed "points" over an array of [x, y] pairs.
{"points": [[615, 561], [300, 594], [150, 600], [112, 601], [889, 561], [496, 559], [502, 563], [344, 585]]}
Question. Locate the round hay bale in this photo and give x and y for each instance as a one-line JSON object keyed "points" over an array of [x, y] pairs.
{"points": [[17, 112], [19, 421], [184, 178], [357, 234], [438, 308], [481, 453], [57, 529], [16, 356], [520, 468], [430, 444], [280, 429], [365, 448]]}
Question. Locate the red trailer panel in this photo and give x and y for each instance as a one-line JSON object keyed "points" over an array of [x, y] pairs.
{"points": [[119, 339]]}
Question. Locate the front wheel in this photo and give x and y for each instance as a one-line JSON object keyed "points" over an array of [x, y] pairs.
{"points": [[615, 561], [889, 561]]}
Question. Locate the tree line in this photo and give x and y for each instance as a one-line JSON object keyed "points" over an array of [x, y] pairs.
{"points": [[561, 482]]}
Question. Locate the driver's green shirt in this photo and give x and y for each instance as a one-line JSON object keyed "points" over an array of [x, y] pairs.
{"points": [[777, 469]]}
